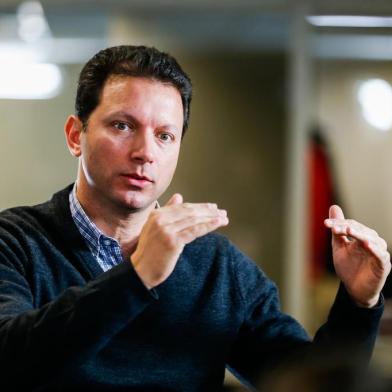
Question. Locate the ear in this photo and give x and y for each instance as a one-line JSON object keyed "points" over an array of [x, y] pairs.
{"points": [[73, 129]]}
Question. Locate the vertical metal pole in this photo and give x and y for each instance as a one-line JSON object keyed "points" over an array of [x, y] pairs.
{"points": [[296, 227]]}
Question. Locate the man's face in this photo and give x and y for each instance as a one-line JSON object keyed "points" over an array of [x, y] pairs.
{"points": [[130, 148]]}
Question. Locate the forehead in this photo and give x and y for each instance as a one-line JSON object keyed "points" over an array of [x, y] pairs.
{"points": [[132, 85], [142, 97]]}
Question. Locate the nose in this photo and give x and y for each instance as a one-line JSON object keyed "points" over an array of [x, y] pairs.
{"points": [[142, 149]]}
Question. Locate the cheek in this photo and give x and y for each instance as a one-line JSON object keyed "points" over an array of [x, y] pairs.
{"points": [[169, 165], [105, 150], [100, 156]]}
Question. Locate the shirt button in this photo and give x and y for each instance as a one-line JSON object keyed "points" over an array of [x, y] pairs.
{"points": [[106, 242]]}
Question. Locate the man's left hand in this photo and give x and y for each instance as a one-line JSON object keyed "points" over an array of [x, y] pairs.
{"points": [[360, 256]]}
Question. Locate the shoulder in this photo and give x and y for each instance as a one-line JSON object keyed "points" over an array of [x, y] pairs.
{"points": [[43, 218], [17, 223], [27, 233], [18, 219]]}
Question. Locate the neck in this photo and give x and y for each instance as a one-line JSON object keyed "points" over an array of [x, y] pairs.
{"points": [[119, 223]]}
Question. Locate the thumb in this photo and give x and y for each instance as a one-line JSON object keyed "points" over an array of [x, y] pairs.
{"points": [[175, 199], [335, 212]]}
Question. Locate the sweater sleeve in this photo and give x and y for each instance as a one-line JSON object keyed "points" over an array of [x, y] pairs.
{"points": [[37, 342], [349, 325], [271, 341]]}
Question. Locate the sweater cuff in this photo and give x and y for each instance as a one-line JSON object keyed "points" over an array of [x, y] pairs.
{"points": [[356, 318], [343, 298]]}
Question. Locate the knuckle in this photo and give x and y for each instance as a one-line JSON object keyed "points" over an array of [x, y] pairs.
{"points": [[186, 238], [154, 214], [194, 230], [157, 218], [388, 257], [166, 233], [380, 242], [193, 220], [172, 242], [167, 238]]}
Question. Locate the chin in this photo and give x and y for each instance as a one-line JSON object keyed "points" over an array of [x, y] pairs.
{"points": [[133, 200], [136, 203]]}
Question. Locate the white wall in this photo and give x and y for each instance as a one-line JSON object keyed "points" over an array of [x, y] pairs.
{"points": [[34, 160], [362, 155]]}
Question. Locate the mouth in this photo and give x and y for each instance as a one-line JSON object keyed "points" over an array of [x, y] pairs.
{"points": [[137, 180]]}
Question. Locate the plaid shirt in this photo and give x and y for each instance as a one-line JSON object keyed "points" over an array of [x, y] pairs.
{"points": [[106, 250]]}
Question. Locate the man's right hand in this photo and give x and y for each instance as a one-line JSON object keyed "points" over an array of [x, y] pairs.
{"points": [[166, 232]]}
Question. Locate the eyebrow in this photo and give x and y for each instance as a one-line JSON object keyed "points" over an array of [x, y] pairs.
{"points": [[124, 115], [131, 118]]}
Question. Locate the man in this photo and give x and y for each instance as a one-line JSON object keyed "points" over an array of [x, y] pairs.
{"points": [[102, 289]]}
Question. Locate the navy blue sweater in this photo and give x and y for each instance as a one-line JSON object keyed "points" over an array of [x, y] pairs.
{"points": [[67, 325]]}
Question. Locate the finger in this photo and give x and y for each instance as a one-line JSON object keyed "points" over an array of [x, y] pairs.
{"points": [[383, 244], [175, 199], [349, 223], [191, 233], [190, 221], [347, 234], [335, 212], [359, 231], [177, 212], [367, 235], [383, 257], [341, 233], [368, 242], [339, 226]]}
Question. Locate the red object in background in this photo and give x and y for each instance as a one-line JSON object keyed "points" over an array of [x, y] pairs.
{"points": [[321, 198]]}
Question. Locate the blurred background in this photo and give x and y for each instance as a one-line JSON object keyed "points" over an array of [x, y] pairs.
{"points": [[292, 111]]}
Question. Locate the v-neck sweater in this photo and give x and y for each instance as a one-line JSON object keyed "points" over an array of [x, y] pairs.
{"points": [[67, 325]]}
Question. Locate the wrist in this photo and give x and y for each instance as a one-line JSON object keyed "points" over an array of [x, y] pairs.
{"points": [[138, 268], [371, 303]]}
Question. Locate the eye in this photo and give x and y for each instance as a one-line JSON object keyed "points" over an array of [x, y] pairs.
{"points": [[166, 137], [122, 126]]}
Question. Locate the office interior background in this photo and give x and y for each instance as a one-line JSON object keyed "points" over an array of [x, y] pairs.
{"points": [[272, 80]]}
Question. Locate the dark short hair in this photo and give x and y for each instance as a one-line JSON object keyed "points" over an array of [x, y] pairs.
{"points": [[128, 60]]}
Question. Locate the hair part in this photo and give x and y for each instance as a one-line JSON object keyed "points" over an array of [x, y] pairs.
{"points": [[128, 60]]}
